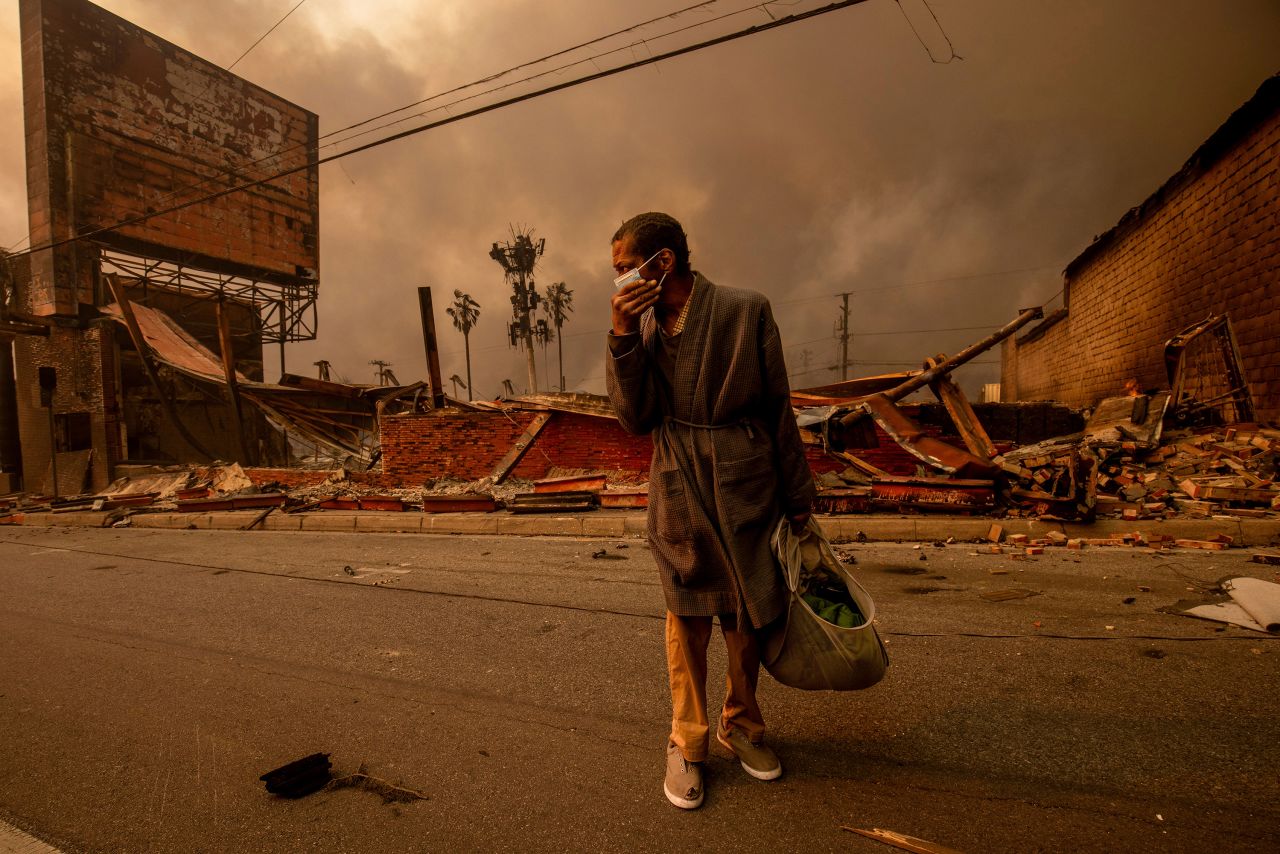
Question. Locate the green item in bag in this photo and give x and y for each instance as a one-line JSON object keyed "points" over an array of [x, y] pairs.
{"points": [[835, 613]]}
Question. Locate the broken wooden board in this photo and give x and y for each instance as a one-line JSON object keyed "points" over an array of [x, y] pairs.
{"points": [[1128, 419], [1234, 493], [577, 483], [1008, 594], [464, 503], [963, 417], [508, 462], [636, 499], [933, 452], [934, 493], [555, 502], [902, 841], [847, 390], [843, 500], [1208, 545]]}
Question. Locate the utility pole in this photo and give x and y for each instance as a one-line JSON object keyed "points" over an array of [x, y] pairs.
{"points": [[323, 366], [517, 258], [385, 376], [844, 337]]}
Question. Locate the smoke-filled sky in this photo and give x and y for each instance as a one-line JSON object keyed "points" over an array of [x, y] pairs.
{"points": [[827, 156]]}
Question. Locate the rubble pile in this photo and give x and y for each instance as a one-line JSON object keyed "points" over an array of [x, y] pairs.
{"points": [[1208, 472]]}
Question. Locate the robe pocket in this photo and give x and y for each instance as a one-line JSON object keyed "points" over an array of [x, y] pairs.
{"points": [[670, 508], [747, 490], [671, 526]]}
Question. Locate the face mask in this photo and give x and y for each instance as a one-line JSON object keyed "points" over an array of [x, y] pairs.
{"points": [[634, 276]]}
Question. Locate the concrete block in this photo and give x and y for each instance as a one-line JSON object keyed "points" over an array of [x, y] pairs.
{"points": [[1255, 533], [461, 523], [188, 521], [328, 521], [232, 520], [77, 519], [409, 523], [540, 525], [279, 522], [603, 525], [636, 524]]}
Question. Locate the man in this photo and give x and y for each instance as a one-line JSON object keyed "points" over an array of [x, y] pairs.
{"points": [[700, 368]]}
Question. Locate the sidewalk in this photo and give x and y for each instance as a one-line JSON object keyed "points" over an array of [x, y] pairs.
{"points": [[630, 523]]}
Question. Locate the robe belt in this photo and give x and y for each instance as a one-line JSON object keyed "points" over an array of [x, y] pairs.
{"points": [[741, 422]]}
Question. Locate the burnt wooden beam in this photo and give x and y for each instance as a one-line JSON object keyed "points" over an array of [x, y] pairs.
{"points": [[507, 463], [233, 387], [962, 415], [432, 347]]}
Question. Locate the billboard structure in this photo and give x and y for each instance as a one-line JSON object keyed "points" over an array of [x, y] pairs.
{"points": [[121, 126]]}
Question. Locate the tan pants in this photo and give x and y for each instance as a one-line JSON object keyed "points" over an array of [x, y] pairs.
{"points": [[687, 639]]}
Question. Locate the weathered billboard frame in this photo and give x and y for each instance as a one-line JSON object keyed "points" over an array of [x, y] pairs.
{"points": [[120, 124]]}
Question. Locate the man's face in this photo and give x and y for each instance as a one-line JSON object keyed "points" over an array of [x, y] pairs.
{"points": [[626, 258]]}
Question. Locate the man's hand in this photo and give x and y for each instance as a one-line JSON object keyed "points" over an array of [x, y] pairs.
{"points": [[798, 522], [631, 302]]}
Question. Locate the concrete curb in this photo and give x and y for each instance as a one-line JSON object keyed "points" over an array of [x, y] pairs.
{"points": [[630, 523]]}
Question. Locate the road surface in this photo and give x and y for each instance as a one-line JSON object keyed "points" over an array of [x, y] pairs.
{"points": [[147, 678]]}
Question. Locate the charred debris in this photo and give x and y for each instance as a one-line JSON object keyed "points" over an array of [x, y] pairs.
{"points": [[1143, 454]]}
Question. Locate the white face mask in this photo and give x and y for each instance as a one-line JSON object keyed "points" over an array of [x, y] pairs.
{"points": [[634, 276]]}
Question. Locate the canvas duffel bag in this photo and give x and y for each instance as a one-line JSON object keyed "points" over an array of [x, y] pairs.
{"points": [[802, 650]]}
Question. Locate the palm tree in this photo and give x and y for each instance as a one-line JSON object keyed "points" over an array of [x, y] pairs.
{"points": [[559, 304], [465, 313]]}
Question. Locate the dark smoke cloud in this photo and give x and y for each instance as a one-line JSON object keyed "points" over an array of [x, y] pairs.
{"points": [[824, 157]]}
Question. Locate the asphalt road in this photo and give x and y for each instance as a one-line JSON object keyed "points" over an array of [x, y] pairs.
{"points": [[147, 678]]}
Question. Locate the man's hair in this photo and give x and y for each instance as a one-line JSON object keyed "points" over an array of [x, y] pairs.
{"points": [[652, 232]]}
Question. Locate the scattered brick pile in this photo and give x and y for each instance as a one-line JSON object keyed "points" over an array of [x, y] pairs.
{"points": [[1022, 545], [1210, 472]]}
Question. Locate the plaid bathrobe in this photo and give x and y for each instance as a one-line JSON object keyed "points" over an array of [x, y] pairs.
{"points": [[727, 455]]}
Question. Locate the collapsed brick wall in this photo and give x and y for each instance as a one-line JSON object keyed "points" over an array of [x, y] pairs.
{"points": [[1208, 242], [468, 445], [573, 441], [452, 443], [288, 478]]}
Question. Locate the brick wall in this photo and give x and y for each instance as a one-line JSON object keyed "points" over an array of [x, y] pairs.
{"points": [[86, 383], [1207, 242]]}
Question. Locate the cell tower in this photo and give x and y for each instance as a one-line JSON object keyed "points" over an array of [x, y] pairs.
{"points": [[517, 258]]}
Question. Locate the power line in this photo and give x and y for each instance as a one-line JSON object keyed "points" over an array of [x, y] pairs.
{"points": [[242, 170], [919, 38], [923, 282], [639, 63], [250, 48]]}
